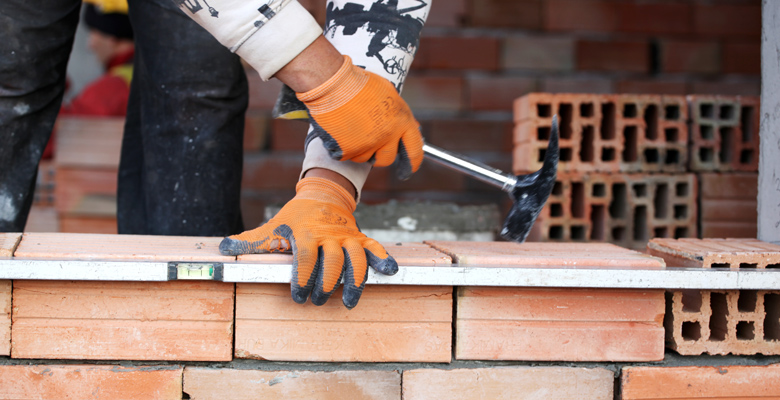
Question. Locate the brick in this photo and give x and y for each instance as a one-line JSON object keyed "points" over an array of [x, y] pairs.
{"points": [[688, 56], [742, 58], [255, 132], [700, 382], [390, 324], [262, 95], [728, 210], [120, 247], [497, 93], [508, 383], [8, 244], [177, 320], [431, 93], [85, 191], [538, 53], [522, 14], [710, 253], [587, 85], [668, 87], [740, 87], [727, 20], [84, 224], [89, 141], [42, 219], [717, 229], [90, 381], [272, 171], [469, 135], [607, 16], [446, 52], [209, 383], [5, 318], [559, 324], [449, 14], [626, 55], [288, 135]]}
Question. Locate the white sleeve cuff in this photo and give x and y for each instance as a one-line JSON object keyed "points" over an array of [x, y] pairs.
{"points": [[318, 157]]}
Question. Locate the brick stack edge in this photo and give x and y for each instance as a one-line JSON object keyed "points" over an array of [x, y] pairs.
{"points": [[741, 322]]}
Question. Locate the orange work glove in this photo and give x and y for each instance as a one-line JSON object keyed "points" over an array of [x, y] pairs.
{"points": [[326, 243], [360, 117]]}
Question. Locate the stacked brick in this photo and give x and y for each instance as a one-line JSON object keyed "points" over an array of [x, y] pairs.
{"points": [[743, 322], [724, 133], [728, 204], [699, 382]]}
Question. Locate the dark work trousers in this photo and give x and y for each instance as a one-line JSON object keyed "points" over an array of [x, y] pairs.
{"points": [[180, 170]]}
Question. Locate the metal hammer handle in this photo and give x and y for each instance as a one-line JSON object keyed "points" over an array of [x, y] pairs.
{"points": [[475, 169]]}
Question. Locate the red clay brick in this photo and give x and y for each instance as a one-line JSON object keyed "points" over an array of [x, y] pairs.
{"points": [[727, 20], [90, 381], [89, 141], [85, 191], [742, 58], [735, 185], [724, 133], [508, 383], [390, 324], [469, 135], [84, 224], [434, 93], [176, 320], [208, 383], [272, 171], [717, 382], [708, 253], [728, 210], [624, 56], [668, 87], [8, 243], [448, 14], [120, 247], [497, 93], [688, 56], [446, 52], [587, 85], [288, 135], [717, 229], [559, 324], [522, 14], [741, 87], [579, 15], [255, 132], [538, 53], [5, 318], [608, 16]]}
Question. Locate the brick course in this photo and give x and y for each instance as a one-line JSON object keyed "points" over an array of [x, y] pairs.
{"points": [[721, 382]]}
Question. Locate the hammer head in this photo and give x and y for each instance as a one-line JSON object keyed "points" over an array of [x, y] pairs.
{"points": [[531, 192]]}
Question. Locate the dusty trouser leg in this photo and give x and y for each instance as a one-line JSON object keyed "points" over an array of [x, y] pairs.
{"points": [[36, 37], [180, 172]]}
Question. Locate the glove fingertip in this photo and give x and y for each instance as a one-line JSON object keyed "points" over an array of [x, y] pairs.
{"points": [[299, 294], [351, 296], [386, 266], [233, 247]]}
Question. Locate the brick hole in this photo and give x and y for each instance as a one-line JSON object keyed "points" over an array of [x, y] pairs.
{"points": [[661, 201], [651, 156], [726, 144], [691, 331], [671, 134], [672, 157], [557, 189], [640, 190], [556, 232], [726, 112], [772, 266], [651, 122], [565, 113], [681, 189], [586, 145], [640, 224], [578, 232], [542, 152], [707, 132], [629, 110], [680, 232], [586, 110], [618, 207], [565, 154], [680, 211], [748, 299], [556, 210], [630, 143], [544, 110], [706, 110], [772, 316], [607, 128], [748, 266], [598, 222], [660, 232], [746, 156], [720, 265], [599, 190], [607, 154], [719, 318], [543, 133], [746, 330], [618, 234], [672, 112], [706, 154], [578, 200], [691, 301], [746, 122]]}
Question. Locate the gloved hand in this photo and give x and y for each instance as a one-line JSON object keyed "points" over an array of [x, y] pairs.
{"points": [[326, 243], [359, 116]]}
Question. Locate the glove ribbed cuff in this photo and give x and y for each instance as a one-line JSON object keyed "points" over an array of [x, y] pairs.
{"points": [[342, 87], [321, 189]]}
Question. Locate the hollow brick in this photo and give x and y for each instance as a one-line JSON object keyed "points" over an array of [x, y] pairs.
{"points": [[720, 253], [209, 383], [700, 382], [724, 133], [503, 383], [90, 381]]}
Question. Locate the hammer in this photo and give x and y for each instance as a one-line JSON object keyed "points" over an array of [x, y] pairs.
{"points": [[529, 192]]}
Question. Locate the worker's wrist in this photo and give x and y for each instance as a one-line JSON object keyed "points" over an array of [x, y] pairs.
{"points": [[312, 67], [332, 176]]}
